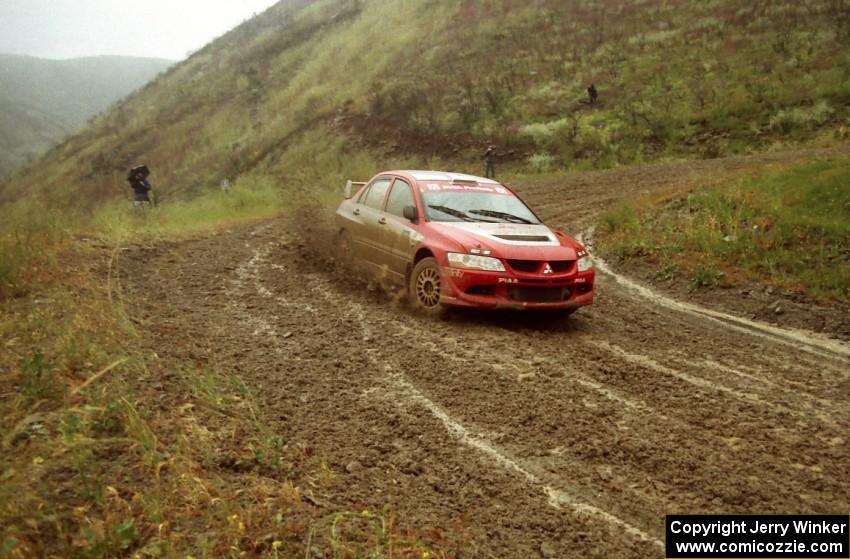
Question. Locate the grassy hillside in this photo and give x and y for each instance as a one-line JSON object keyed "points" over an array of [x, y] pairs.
{"points": [[311, 92], [42, 101]]}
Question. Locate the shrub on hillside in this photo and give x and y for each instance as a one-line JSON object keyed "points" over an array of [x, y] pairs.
{"points": [[551, 98], [592, 137], [549, 134], [805, 118], [541, 163]]}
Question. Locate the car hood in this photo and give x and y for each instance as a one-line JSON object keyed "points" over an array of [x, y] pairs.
{"points": [[511, 240]]}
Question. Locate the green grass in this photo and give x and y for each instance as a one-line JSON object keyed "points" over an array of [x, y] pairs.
{"points": [[26, 231], [789, 228], [120, 222]]}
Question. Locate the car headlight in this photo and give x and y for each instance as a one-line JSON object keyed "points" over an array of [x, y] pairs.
{"points": [[585, 263], [475, 262]]}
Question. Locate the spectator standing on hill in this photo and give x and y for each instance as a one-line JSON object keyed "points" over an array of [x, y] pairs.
{"points": [[490, 162], [138, 179], [592, 94]]}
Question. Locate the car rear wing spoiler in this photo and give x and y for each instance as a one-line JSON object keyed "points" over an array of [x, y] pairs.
{"points": [[349, 188]]}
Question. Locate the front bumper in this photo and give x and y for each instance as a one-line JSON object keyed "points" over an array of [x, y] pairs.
{"points": [[507, 290]]}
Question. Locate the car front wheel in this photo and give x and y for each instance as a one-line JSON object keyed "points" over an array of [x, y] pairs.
{"points": [[424, 286]]}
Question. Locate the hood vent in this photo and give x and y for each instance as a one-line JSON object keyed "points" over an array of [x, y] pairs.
{"points": [[525, 238]]}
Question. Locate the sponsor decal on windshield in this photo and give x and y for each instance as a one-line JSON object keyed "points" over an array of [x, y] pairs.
{"points": [[448, 187]]}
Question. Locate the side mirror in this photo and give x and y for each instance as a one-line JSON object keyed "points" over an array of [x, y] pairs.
{"points": [[410, 213], [347, 190]]}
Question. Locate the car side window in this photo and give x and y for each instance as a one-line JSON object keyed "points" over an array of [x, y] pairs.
{"points": [[375, 197], [400, 196]]}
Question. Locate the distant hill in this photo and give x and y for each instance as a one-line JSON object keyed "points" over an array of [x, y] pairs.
{"points": [[311, 92], [42, 101]]}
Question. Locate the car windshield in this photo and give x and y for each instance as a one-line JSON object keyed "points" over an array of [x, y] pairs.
{"points": [[476, 206]]}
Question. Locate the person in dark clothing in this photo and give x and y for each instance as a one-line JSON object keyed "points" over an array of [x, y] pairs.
{"points": [[490, 162], [592, 94], [138, 179]]}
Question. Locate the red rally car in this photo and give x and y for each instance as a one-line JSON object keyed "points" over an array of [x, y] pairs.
{"points": [[460, 240]]}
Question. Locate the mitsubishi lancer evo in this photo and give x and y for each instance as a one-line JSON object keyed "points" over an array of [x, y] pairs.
{"points": [[457, 240]]}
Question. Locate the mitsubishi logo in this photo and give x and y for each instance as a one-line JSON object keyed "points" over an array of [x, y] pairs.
{"points": [[547, 269]]}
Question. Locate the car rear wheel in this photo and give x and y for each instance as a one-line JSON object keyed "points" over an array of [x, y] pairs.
{"points": [[424, 288]]}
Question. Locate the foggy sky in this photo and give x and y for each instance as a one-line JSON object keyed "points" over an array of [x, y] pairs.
{"points": [[149, 28]]}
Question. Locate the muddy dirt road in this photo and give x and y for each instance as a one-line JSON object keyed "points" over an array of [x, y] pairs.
{"points": [[535, 437]]}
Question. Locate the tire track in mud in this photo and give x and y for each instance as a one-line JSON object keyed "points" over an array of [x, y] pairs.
{"points": [[430, 337], [389, 381], [748, 389], [813, 404], [712, 341], [396, 387], [518, 363], [810, 342], [581, 459], [405, 391], [557, 497]]}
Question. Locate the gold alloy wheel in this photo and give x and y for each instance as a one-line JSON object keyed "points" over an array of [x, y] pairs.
{"points": [[428, 287]]}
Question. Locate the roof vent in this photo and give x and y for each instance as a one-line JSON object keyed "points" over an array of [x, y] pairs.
{"points": [[464, 182]]}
